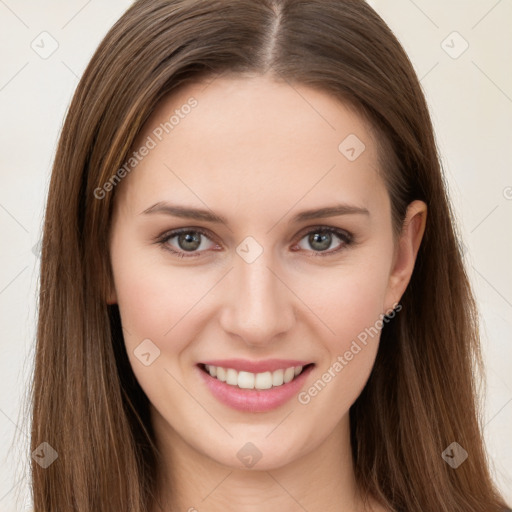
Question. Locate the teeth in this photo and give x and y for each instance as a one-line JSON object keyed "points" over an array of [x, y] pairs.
{"points": [[289, 373], [221, 373], [277, 377], [248, 380], [245, 380], [231, 377]]}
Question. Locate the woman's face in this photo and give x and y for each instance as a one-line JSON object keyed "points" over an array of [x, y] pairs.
{"points": [[297, 272]]}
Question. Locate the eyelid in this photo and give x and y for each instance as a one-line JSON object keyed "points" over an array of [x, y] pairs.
{"points": [[346, 237], [324, 227]]}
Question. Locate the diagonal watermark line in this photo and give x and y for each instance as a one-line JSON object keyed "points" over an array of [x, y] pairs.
{"points": [[198, 403], [492, 81], [280, 423], [3, 3], [14, 423], [76, 14], [301, 300], [12, 280], [14, 76], [493, 287], [286, 79], [300, 199], [287, 492], [492, 211], [220, 483], [486, 14], [70, 69], [194, 193], [13, 218], [424, 13], [428, 72], [198, 301], [510, 400]]}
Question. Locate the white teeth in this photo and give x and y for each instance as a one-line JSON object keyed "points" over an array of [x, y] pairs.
{"points": [[289, 373], [231, 377], [277, 377], [221, 373], [245, 380], [248, 380], [263, 380]]}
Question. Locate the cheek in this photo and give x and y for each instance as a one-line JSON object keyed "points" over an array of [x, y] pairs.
{"points": [[352, 310], [155, 302], [349, 301], [160, 302], [346, 299]]}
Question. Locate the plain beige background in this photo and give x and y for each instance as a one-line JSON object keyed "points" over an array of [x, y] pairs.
{"points": [[461, 52]]}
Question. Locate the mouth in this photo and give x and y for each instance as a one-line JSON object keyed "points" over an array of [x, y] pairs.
{"points": [[263, 392], [260, 381]]}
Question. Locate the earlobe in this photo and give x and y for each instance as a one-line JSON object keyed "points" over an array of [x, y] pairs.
{"points": [[111, 299], [407, 249]]}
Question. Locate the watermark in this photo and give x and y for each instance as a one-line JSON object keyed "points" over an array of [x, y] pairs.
{"points": [[45, 45], [454, 45], [45, 455], [249, 454], [304, 397], [454, 455], [147, 352], [351, 147], [150, 143], [249, 249]]}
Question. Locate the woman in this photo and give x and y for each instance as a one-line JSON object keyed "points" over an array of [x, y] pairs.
{"points": [[308, 340]]}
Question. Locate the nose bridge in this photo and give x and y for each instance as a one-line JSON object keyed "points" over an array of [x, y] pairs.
{"points": [[258, 305]]}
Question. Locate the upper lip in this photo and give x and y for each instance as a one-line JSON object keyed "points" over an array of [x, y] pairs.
{"points": [[245, 365]]}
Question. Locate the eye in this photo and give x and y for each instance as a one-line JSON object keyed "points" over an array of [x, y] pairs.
{"points": [[321, 238], [188, 240]]}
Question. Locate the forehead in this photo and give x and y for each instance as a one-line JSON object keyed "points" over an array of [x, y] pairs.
{"points": [[254, 141]]}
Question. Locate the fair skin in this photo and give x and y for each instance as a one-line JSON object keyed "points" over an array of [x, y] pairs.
{"points": [[255, 152]]}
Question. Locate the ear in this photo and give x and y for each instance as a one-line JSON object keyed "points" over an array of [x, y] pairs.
{"points": [[406, 251], [112, 298]]}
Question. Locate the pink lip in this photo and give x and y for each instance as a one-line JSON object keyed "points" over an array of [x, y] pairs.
{"points": [[252, 400], [244, 365]]}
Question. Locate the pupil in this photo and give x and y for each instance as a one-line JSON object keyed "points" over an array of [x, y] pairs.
{"points": [[185, 239], [324, 239]]}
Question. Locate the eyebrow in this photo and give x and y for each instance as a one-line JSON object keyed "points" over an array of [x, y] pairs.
{"points": [[208, 216]]}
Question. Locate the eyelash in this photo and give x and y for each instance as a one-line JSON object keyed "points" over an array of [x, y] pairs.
{"points": [[346, 237]]}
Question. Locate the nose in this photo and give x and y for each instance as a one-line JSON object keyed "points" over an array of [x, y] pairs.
{"points": [[258, 304]]}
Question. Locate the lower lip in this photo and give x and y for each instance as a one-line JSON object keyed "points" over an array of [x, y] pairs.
{"points": [[253, 400]]}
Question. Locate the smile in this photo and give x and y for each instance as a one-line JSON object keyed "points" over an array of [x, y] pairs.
{"points": [[249, 380], [254, 386]]}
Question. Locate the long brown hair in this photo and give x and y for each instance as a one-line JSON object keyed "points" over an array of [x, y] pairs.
{"points": [[422, 393]]}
